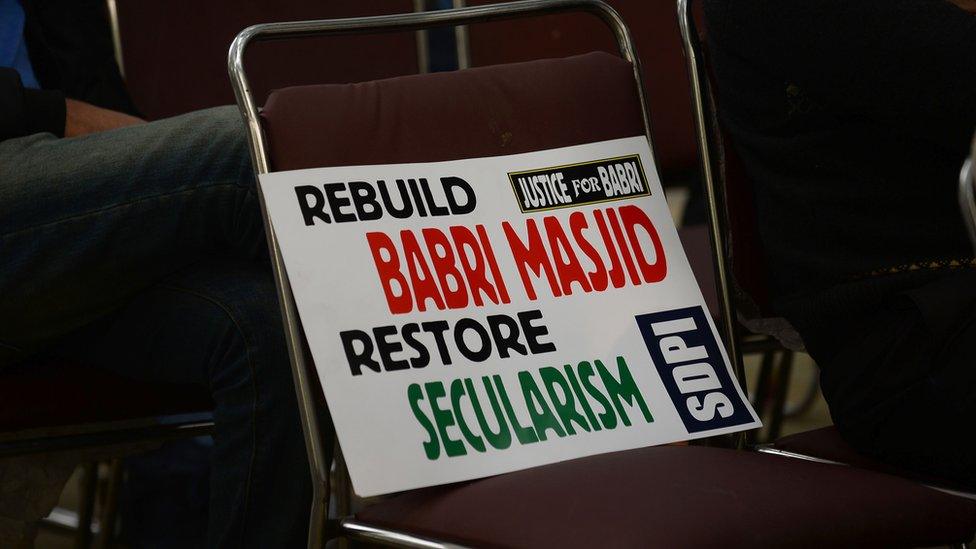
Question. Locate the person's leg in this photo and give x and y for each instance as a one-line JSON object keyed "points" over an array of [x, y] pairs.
{"points": [[903, 389], [86, 223], [218, 324]]}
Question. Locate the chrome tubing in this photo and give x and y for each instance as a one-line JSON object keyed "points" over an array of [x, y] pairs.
{"points": [[365, 532], [967, 196], [718, 223]]}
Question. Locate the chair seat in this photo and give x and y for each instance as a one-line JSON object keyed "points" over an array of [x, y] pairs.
{"points": [[681, 497], [53, 394]]}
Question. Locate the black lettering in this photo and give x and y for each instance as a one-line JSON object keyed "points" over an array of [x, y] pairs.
{"points": [[406, 208], [505, 342], [336, 203], [437, 328], [358, 359], [431, 203], [310, 211], [387, 348], [363, 194], [533, 333], [462, 207], [481, 354], [423, 355]]}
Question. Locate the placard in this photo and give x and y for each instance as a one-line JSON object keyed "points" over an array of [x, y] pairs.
{"points": [[480, 316]]}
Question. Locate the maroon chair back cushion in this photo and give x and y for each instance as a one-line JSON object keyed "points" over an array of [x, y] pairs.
{"points": [[175, 51], [654, 26], [487, 111]]}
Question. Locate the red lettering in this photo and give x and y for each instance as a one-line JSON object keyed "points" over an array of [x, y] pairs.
{"points": [[632, 216], [624, 251], [465, 241], [496, 273], [564, 256], [422, 281], [443, 261], [389, 272], [616, 271], [532, 257]]}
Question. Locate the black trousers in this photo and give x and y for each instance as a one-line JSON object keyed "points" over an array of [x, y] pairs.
{"points": [[902, 386]]}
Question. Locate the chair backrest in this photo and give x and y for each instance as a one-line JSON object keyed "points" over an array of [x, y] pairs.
{"points": [[658, 44], [174, 51], [739, 261], [967, 193]]}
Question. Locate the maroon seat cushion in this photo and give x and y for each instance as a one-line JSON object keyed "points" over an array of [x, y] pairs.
{"points": [[56, 394], [682, 497], [489, 111]]}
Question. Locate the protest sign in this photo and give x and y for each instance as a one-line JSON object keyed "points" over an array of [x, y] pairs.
{"points": [[480, 316]]}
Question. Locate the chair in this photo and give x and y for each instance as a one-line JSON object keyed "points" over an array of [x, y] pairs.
{"points": [[738, 255], [651, 497]]}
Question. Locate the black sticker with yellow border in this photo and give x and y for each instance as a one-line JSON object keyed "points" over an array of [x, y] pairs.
{"points": [[578, 184]]}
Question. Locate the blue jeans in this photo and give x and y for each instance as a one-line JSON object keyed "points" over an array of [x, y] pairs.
{"points": [[142, 250]]}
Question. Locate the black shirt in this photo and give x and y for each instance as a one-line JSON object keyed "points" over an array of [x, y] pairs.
{"points": [[853, 118], [70, 47]]}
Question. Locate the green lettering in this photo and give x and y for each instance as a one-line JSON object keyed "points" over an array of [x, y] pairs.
{"points": [[457, 391], [542, 417], [607, 416], [503, 438], [623, 388], [566, 406], [431, 447], [443, 419], [525, 435], [580, 397]]}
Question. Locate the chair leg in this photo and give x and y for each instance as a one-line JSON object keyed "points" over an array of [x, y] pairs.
{"points": [[343, 493], [760, 398], [110, 506], [86, 505], [779, 398]]}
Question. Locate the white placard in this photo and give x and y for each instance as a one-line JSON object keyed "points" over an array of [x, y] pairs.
{"points": [[480, 316]]}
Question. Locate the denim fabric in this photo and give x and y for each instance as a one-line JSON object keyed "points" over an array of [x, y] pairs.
{"points": [[141, 250]]}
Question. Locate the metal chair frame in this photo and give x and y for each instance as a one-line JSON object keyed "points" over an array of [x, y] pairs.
{"points": [[320, 528], [967, 193]]}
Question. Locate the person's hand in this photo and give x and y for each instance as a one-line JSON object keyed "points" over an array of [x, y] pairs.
{"points": [[968, 5], [82, 118]]}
